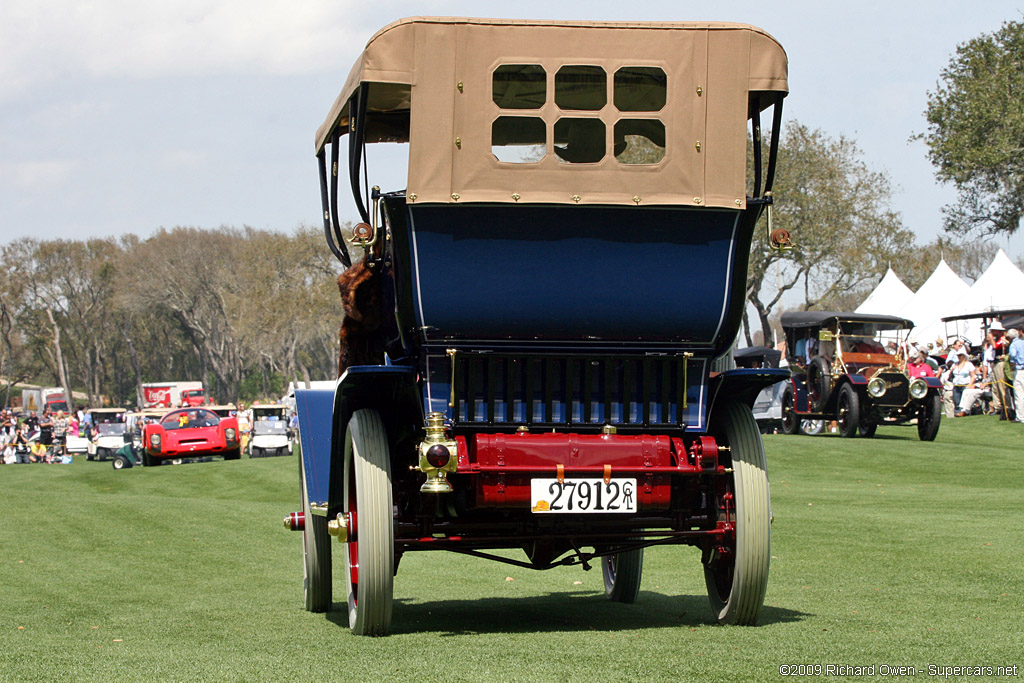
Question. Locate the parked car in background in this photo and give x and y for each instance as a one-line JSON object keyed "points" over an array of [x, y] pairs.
{"points": [[189, 433], [849, 367], [767, 408]]}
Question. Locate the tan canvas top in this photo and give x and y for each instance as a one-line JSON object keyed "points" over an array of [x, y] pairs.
{"points": [[435, 81]]}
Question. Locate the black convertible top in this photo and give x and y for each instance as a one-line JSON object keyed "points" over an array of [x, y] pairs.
{"points": [[997, 314], [794, 319], [753, 356]]}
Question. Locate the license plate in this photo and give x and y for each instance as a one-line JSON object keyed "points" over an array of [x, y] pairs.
{"points": [[582, 495]]}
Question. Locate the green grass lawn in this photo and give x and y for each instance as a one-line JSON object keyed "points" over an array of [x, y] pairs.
{"points": [[886, 551]]}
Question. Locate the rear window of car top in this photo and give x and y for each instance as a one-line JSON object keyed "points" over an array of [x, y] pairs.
{"points": [[575, 133]]}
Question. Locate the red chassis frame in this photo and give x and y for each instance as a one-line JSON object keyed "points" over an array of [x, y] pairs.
{"points": [[494, 477]]}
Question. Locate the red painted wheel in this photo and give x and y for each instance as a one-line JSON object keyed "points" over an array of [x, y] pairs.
{"points": [[790, 420]]}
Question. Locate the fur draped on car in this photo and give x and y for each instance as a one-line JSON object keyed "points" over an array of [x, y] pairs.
{"points": [[360, 335]]}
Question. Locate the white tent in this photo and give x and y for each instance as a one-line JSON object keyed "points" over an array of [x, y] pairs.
{"points": [[888, 297], [1001, 286], [932, 301]]}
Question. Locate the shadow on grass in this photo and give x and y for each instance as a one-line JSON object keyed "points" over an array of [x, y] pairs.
{"points": [[560, 611]]}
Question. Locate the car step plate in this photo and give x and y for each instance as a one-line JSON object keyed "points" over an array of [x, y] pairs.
{"points": [[582, 495]]}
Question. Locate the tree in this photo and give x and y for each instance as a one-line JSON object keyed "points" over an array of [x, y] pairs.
{"points": [[837, 210], [190, 275], [968, 259], [975, 132]]}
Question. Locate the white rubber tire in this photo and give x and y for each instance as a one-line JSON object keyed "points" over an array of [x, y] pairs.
{"points": [[622, 573], [368, 480], [737, 588], [316, 554]]}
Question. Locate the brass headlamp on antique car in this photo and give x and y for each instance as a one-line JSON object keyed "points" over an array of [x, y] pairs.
{"points": [[852, 368], [501, 384]]}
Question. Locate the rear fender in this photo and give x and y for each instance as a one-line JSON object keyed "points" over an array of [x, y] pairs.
{"points": [[324, 415]]}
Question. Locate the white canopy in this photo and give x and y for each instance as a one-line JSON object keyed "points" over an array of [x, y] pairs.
{"points": [[1001, 286], [888, 297], [933, 301]]}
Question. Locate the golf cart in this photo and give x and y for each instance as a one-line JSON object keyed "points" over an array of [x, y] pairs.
{"points": [[851, 368], [531, 356], [109, 432], [270, 432]]}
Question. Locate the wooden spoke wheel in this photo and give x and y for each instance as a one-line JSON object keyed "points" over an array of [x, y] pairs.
{"points": [[929, 417], [790, 420], [848, 415]]}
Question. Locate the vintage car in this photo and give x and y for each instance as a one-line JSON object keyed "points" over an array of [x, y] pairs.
{"points": [[850, 368], [189, 433], [109, 432], [767, 408], [535, 349], [270, 432]]}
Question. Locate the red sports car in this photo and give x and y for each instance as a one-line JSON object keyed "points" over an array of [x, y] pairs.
{"points": [[190, 433]]}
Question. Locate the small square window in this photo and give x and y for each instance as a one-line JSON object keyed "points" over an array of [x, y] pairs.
{"points": [[639, 141], [581, 87], [640, 88], [579, 140], [518, 139], [519, 86]]}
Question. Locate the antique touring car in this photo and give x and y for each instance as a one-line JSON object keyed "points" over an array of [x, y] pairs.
{"points": [[849, 367], [530, 356]]}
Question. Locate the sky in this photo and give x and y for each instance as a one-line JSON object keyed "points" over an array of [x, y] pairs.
{"points": [[121, 116]]}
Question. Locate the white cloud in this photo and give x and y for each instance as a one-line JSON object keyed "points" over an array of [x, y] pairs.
{"points": [[183, 159], [36, 175], [43, 40]]}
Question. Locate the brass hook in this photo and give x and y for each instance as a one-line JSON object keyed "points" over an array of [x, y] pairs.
{"points": [[778, 239]]}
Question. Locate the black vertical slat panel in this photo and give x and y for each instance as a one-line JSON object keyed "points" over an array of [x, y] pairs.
{"points": [[471, 384], [680, 389], [629, 385], [571, 384], [588, 390], [550, 370], [510, 388], [608, 390], [457, 389], [666, 383], [645, 388], [492, 382], [527, 391]]}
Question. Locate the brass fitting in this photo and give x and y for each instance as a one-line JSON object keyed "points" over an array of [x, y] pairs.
{"points": [[433, 447], [338, 527]]}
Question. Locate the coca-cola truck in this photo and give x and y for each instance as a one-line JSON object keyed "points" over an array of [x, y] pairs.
{"points": [[38, 399], [172, 394]]}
